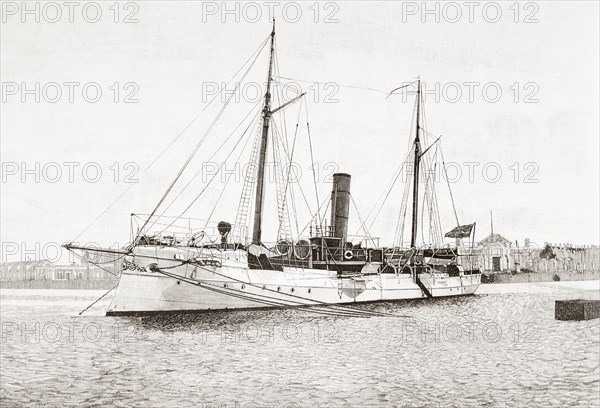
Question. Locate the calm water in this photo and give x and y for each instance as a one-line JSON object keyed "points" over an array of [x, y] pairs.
{"points": [[501, 348]]}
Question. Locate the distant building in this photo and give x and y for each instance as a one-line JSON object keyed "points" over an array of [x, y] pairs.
{"points": [[46, 270], [496, 253], [27, 270]]}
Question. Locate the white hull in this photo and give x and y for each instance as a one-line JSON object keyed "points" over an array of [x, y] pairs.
{"points": [[233, 286]]}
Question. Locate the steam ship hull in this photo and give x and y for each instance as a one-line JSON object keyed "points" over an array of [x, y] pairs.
{"points": [[231, 287]]}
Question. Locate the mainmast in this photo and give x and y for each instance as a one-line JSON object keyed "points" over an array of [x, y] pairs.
{"points": [[417, 148], [266, 118]]}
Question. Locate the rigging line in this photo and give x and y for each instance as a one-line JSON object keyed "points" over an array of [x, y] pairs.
{"points": [[406, 157], [251, 125], [171, 216], [406, 85], [400, 223], [402, 212], [97, 300], [389, 190], [314, 215], [329, 83], [101, 250], [322, 221], [292, 194], [209, 182], [287, 179], [449, 188], [212, 156], [168, 146], [315, 308], [362, 223], [426, 198], [286, 294], [212, 287], [295, 210], [278, 173], [435, 208], [103, 212], [263, 298], [423, 206], [436, 203], [189, 159], [312, 159], [111, 261], [429, 162], [156, 257], [209, 159], [257, 51], [280, 97], [299, 186], [93, 263]]}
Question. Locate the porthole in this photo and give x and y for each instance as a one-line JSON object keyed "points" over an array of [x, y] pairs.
{"points": [[292, 290], [308, 290], [243, 286], [278, 288], [224, 285], [179, 282]]}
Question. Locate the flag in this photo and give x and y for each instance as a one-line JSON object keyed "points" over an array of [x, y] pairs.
{"points": [[462, 231]]}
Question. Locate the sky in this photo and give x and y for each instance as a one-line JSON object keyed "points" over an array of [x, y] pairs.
{"points": [[511, 87]]}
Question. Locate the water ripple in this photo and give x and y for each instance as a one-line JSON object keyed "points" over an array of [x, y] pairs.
{"points": [[492, 350]]}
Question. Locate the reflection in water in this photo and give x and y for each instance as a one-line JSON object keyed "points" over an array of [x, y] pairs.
{"points": [[498, 349]]}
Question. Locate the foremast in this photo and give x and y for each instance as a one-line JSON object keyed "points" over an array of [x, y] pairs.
{"points": [[266, 119], [416, 164]]}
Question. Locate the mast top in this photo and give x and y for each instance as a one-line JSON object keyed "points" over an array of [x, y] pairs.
{"points": [[273, 32]]}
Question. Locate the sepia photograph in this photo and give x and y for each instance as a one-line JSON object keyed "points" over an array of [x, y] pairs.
{"points": [[300, 204]]}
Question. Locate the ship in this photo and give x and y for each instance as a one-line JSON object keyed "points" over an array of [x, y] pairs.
{"points": [[220, 266]]}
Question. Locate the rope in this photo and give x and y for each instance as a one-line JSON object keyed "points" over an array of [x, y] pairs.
{"points": [[97, 300], [206, 133], [206, 186], [169, 145], [251, 125], [263, 299], [362, 223], [209, 160], [449, 188], [333, 309], [312, 160], [340, 85]]}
